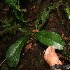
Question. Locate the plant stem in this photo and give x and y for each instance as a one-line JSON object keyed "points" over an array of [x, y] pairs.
{"points": [[2, 62]]}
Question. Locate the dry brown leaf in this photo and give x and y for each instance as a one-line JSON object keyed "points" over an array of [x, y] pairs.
{"points": [[35, 31], [28, 46]]}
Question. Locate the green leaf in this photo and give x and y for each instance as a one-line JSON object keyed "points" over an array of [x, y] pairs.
{"points": [[18, 15], [12, 3], [16, 9], [40, 21], [68, 12], [13, 53], [50, 39]]}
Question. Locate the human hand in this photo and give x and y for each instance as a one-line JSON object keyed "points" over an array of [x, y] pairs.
{"points": [[51, 57]]}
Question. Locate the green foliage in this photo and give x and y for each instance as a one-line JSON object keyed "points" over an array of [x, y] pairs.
{"points": [[13, 53], [67, 54], [13, 4], [26, 31], [67, 9], [47, 38], [19, 15], [40, 21], [50, 39]]}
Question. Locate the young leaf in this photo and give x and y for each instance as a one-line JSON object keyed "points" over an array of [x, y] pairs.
{"points": [[16, 9], [44, 15], [50, 39], [13, 53]]}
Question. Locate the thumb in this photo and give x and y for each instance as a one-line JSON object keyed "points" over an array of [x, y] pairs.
{"points": [[48, 50], [53, 48]]}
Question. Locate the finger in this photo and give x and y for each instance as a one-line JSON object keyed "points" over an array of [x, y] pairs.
{"points": [[53, 48], [60, 62], [48, 50]]}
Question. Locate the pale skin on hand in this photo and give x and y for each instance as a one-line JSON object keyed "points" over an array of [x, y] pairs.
{"points": [[51, 57]]}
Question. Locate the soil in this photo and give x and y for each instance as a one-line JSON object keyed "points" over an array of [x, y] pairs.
{"points": [[32, 58]]}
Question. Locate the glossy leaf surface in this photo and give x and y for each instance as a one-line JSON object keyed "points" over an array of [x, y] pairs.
{"points": [[50, 39], [13, 53]]}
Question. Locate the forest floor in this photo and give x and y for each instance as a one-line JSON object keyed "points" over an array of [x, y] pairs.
{"points": [[32, 58]]}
